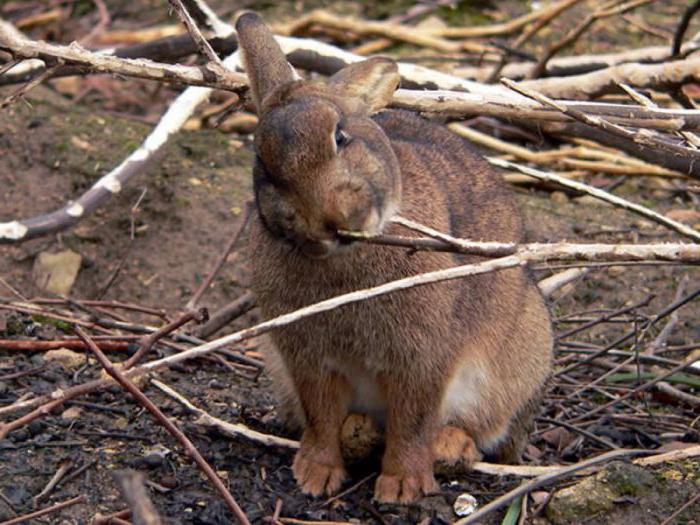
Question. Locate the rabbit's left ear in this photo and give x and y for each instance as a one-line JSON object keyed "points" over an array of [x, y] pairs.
{"points": [[373, 81], [264, 61]]}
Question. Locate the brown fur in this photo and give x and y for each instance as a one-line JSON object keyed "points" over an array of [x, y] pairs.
{"points": [[394, 356]]}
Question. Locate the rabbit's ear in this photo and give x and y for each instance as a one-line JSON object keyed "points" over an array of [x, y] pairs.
{"points": [[264, 61], [373, 80]]}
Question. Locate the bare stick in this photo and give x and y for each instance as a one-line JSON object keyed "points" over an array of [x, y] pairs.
{"points": [[63, 468], [683, 27], [201, 42], [44, 512], [643, 211], [189, 447], [46, 74], [74, 54]]}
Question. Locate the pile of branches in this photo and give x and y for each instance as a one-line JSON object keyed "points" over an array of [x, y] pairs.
{"points": [[543, 95]]}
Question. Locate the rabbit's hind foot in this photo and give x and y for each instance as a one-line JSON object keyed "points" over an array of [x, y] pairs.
{"points": [[453, 446]]}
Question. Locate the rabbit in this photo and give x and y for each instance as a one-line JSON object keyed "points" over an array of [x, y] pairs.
{"points": [[454, 370]]}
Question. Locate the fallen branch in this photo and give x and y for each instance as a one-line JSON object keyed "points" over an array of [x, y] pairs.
{"points": [[45, 511], [605, 81], [21, 47]]}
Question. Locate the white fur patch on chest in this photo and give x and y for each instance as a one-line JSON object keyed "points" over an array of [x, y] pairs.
{"points": [[464, 392]]}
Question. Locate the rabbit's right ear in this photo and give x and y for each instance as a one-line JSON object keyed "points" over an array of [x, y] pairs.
{"points": [[264, 61]]}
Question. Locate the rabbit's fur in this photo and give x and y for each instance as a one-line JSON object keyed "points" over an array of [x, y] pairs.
{"points": [[449, 368]]}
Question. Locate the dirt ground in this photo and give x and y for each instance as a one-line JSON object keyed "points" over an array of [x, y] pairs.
{"points": [[52, 149]]}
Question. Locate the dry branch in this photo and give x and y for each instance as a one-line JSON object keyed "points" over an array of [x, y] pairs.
{"points": [[605, 81], [397, 32], [76, 55]]}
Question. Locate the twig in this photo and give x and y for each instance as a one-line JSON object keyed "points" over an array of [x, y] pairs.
{"points": [[46, 74], [197, 37], [683, 27], [71, 344], [111, 183], [45, 511], [99, 519], [579, 430], [105, 20], [235, 430], [546, 17], [642, 388], [132, 237], [22, 47], [643, 211], [543, 480], [189, 447], [53, 482]]}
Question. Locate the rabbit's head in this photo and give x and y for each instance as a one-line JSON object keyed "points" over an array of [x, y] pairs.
{"points": [[323, 165]]}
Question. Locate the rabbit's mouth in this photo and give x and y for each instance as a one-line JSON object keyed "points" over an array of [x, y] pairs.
{"points": [[323, 248]]}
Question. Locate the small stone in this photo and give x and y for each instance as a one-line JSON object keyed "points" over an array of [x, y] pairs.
{"points": [[3, 388], [558, 437], [68, 358], [72, 413], [465, 504], [56, 272], [559, 197]]}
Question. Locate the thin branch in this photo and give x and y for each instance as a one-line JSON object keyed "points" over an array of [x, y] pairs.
{"points": [[683, 27], [19, 46], [45, 511]]}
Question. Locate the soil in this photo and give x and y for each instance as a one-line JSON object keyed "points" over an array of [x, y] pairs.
{"points": [[52, 149]]}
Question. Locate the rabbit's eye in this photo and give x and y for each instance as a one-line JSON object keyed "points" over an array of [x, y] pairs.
{"points": [[341, 138]]}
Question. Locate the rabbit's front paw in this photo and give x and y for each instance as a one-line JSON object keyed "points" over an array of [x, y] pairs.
{"points": [[453, 445], [406, 488], [316, 476]]}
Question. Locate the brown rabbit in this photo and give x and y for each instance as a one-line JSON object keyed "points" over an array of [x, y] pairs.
{"points": [[451, 369]]}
